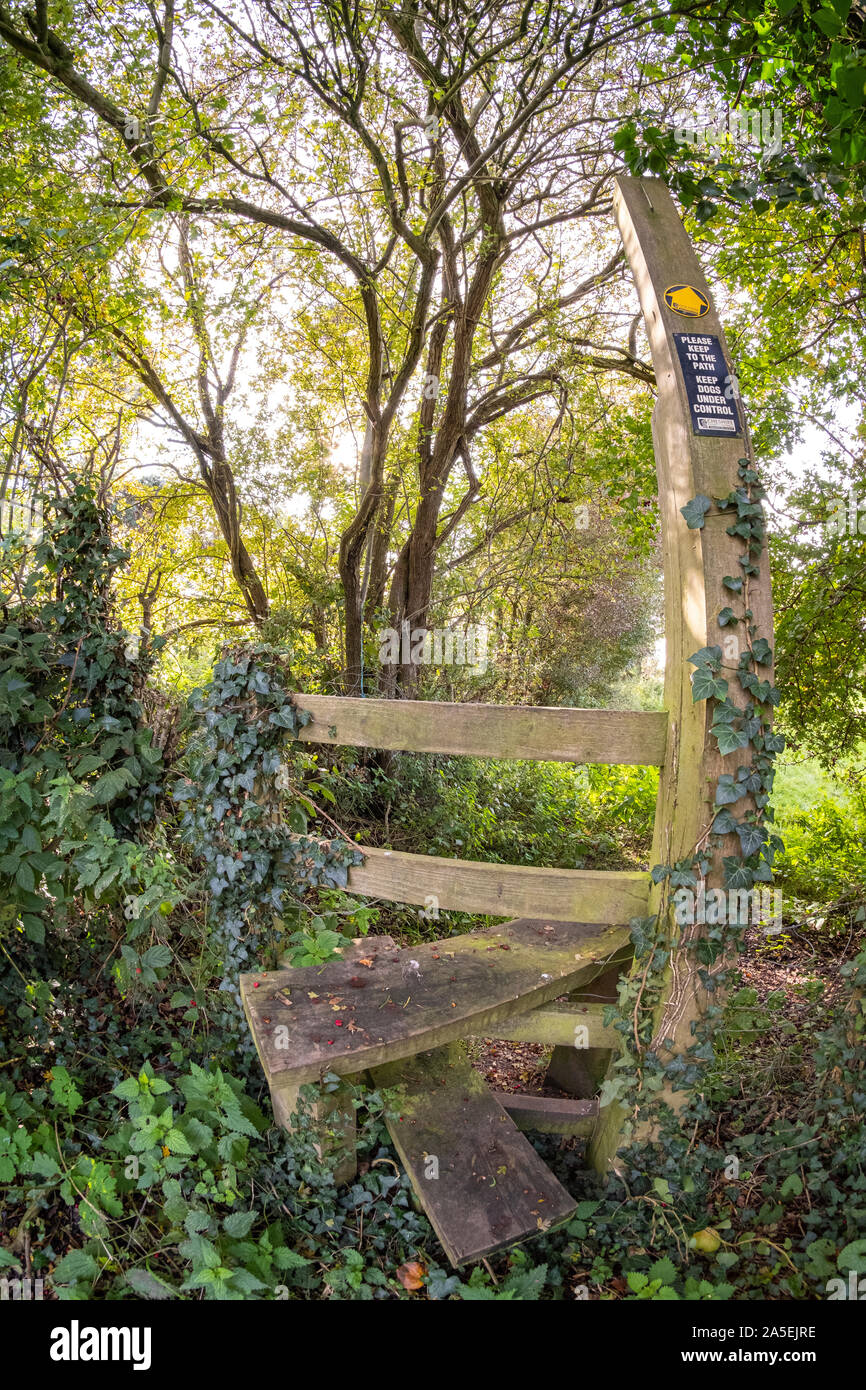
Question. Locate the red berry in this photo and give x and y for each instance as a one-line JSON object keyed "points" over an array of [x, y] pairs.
{"points": [[339, 1022]]}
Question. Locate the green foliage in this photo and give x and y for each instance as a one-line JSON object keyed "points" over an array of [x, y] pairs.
{"points": [[155, 1175], [78, 776], [808, 64], [241, 819], [509, 812], [824, 857]]}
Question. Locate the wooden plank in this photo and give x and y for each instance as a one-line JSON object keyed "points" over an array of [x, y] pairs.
{"points": [[548, 734], [503, 890], [480, 1182], [549, 1114], [580, 1070], [347, 1016], [332, 1113], [558, 1025], [660, 254]]}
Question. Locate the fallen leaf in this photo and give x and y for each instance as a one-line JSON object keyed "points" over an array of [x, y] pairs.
{"points": [[411, 1275], [368, 961]]}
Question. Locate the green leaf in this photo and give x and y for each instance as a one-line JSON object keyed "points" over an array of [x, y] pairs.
{"points": [[729, 740], [239, 1223], [706, 686], [110, 785], [78, 1264], [792, 1186], [157, 957], [128, 1089], [695, 511], [25, 877], [147, 1285], [177, 1142], [64, 1090], [664, 1270], [853, 1256]]}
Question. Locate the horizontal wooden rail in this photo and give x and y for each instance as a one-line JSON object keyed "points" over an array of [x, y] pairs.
{"points": [[488, 731], [548, 1114], [558, 1025], [561, 895]]}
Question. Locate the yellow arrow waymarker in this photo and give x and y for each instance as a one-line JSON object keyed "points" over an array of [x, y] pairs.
{"points": [[686, 300]]}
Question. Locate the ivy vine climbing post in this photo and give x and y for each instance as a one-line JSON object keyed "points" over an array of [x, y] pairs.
{"points": [[718, 629]]}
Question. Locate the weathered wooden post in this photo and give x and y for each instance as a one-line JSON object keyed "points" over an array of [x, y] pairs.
{"points": [[699, 435]]}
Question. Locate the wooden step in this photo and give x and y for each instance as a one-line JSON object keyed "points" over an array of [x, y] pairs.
{"points": [[332, 1113], [480, 1182], [488, 731], [350, 1015], [503, 890], [558, 1025], [550, 1114]]}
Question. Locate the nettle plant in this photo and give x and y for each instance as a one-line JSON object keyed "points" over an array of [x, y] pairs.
{"points": [[246, 817], [639, 1074]]}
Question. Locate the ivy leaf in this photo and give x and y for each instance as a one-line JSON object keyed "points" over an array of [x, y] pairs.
{"points": [[706, 686], [729, 740], [724, 824], [707, 656], [737, 874], [728, 791], [695, 511], [734, 583], [727, 617], [751, 837], [762, 651]]}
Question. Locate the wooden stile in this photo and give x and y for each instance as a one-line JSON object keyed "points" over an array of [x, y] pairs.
{"points": [[402, 1013]]}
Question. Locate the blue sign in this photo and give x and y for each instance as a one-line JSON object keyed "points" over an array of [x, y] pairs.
{"points": [[710, 386]]}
